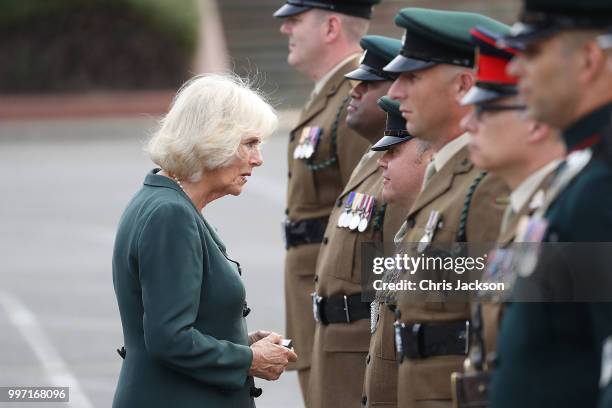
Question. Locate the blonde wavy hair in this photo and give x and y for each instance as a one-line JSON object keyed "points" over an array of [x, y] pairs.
{"points": [[209, 117]]}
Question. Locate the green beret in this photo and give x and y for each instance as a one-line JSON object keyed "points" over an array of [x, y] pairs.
{"points": [[437, 37], [378, 52], [395, 131]]}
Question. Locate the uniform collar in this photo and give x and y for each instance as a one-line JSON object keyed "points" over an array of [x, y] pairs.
{"points": [[449, 150], [585, 131], [520, 195], [323, 81]]}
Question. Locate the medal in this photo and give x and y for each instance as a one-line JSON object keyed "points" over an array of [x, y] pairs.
{"points": [[356, 218], [347, 209], [299, 151], [342, 220], [365, 220], [430, 228], [312, 141]]}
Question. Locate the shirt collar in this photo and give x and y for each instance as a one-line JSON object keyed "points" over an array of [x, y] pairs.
{"points": [[449, 150], [325, 79], [587, 126], [520, 195]]}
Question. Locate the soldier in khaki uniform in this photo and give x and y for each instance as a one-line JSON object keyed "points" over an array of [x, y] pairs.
{"points": [[360, 215], [324, 45], [457, 204], [402, 165], [523, 152]]}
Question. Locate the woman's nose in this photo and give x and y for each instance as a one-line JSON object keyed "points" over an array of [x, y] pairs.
{"points": [[256, 158]]}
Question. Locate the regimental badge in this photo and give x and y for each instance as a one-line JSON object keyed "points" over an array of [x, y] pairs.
{"points": [[430, 230], [308, 143]]}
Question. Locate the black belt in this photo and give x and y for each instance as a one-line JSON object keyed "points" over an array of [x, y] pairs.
{"points": [[339, 308], [309, 231], [421, 340]]}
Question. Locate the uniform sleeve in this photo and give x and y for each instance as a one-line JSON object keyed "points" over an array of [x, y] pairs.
{"points": [[170, 269]]}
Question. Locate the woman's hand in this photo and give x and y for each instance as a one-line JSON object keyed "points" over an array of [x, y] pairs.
{"points": [[270, 358], [258, 335]]}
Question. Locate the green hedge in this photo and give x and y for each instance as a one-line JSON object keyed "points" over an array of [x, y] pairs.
{"points": [[77, 45]]}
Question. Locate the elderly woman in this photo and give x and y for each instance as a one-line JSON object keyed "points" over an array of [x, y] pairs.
{"points": [[181, 298]]}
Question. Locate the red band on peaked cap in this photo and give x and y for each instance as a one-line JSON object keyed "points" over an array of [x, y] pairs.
{"points": [[493, 69]]}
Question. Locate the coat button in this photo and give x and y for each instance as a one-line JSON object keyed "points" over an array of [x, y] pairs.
{"points": [[288, 174], [286, 211], [316, 278], [364, 400], [368, 359], [325, 241], [465, 162]]}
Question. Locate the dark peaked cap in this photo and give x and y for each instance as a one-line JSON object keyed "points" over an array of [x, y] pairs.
{"points": [[437, 37], [492, 79], [356, 8], [542, 18], [395, 131], [378, 52]]}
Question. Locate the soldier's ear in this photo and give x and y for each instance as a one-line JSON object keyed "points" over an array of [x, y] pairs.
{"points": [[333, 28], [465, 81], [538, 131], [594, 62]]}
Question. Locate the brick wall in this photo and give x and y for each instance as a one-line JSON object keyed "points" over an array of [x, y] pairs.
{"points": [[257, 48]]}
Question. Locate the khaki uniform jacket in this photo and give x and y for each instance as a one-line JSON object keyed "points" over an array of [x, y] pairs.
{"points": [[341, 347], [424, 382], [313, 194]]}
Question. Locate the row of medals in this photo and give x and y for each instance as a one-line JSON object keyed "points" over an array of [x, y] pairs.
{"points": [[309, 140], [357, 213]]}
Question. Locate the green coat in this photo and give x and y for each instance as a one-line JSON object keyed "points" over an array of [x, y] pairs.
{"points": [[549, 354], [181, 302]]}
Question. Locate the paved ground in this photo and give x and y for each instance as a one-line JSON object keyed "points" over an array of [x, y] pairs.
{"points": [[65, 184]]}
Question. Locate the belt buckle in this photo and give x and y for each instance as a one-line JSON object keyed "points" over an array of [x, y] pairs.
{"points": [[316, 302]]}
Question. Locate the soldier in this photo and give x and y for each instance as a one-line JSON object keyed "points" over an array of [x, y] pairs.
{"points": [[343, 320], [403, 165], [324, 45], [523, 152], [457, 203], [554, 350]]}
